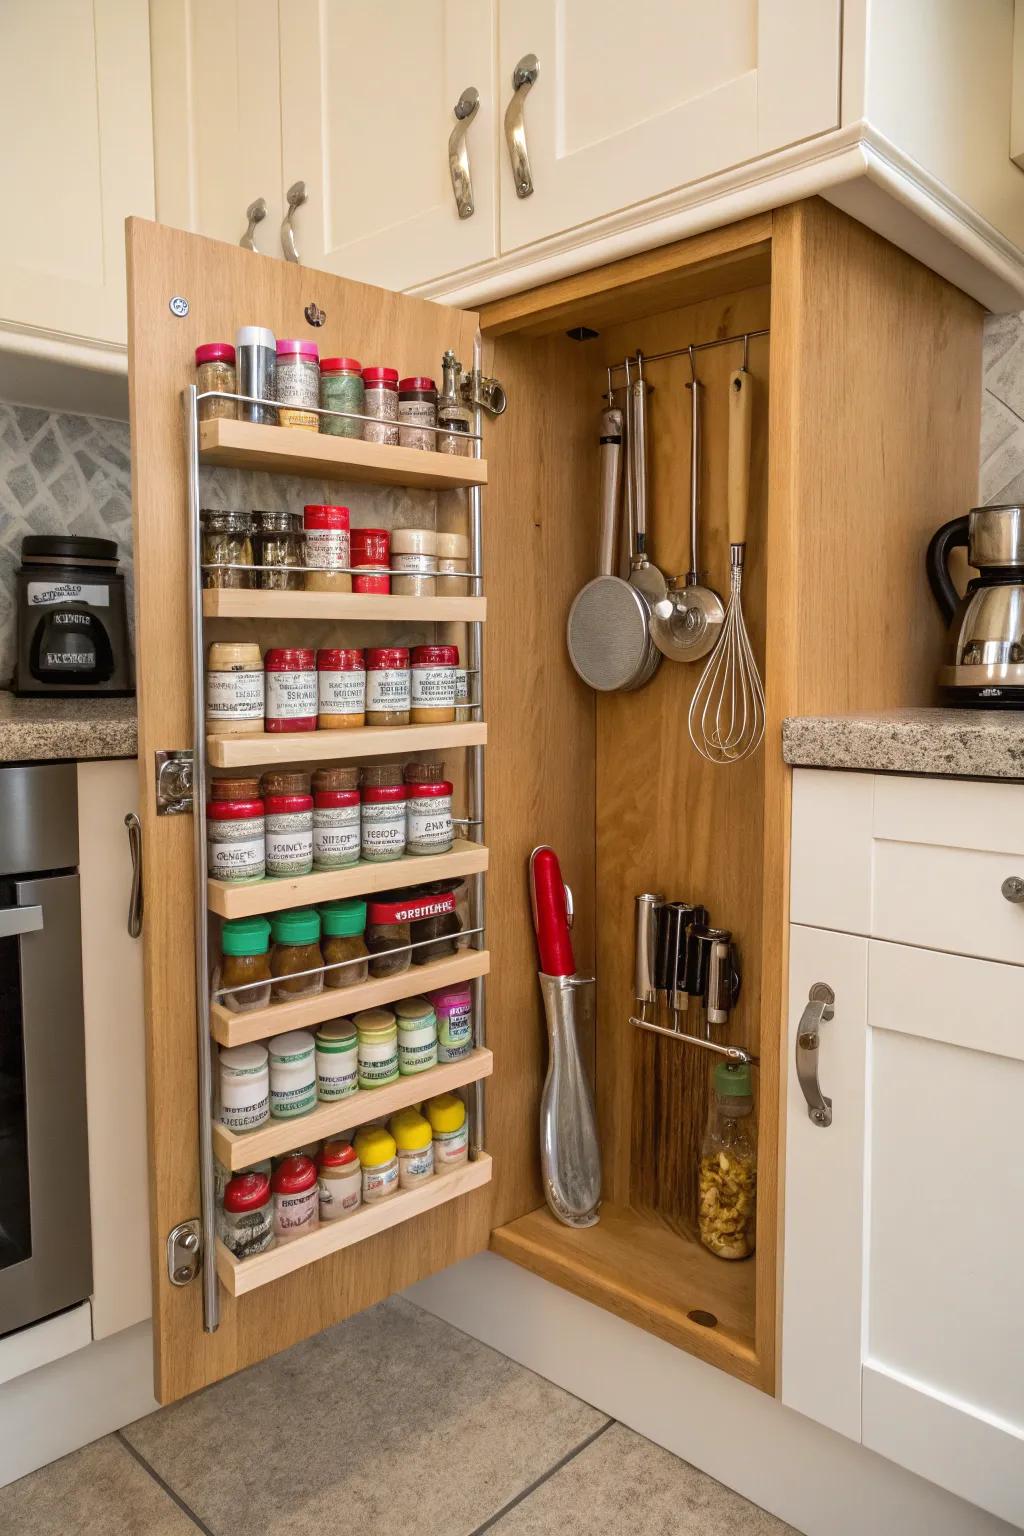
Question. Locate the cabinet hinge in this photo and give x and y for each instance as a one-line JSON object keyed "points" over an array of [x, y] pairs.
{"points": [[478, 389], [173, 783], [184, 1252]]}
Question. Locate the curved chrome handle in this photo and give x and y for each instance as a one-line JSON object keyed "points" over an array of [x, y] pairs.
{"points": [[523, 77], [255, 213], [296, 196], [134, 827], [466, 109], [819, 1011]]}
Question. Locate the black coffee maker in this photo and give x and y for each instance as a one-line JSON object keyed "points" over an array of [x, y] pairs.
{"points": [[72, 620]]}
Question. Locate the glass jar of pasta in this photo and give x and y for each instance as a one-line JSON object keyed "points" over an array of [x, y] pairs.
{"points": [[727, 1196]]}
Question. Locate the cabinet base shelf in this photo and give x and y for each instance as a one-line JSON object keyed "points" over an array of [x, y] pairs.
{"points": [[238, 1278], [339, 746]]}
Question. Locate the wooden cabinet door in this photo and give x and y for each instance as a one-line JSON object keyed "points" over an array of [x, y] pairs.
{"points": [[217, 116], [630, 104], [368, 94], [75, 120], [224, 288]]}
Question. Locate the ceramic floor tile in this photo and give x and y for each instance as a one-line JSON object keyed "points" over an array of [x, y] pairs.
{"points": [[622, 1482], [100, 1490], [391, 1420]]}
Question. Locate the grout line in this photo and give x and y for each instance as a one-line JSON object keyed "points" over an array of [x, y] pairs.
{"points": [[538, 1482], [1000, 401], [200, 1525]]}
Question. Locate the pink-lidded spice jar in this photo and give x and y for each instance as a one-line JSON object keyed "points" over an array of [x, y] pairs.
{"points": [[291, 705], [341, 689], [454, 1009], [298, 384], [327, 548], [381, 398], [387, 686], [371, 549]]}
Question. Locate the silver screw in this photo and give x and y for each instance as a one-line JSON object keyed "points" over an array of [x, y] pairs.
{"points": [[182, 1274], [178, 306]]}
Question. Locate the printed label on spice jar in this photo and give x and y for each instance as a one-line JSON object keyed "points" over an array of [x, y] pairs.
{"points": [[234, 695], [295, 1215], [335, 836], [417, 1049], [451, 1147], [387, 690], [378, 1063], [327, 549], [379, 1182], [382, 830], [415, 1167], [287, 1102], [245, 1117], [339, 1197], [430, 825], [241, 859], [425, 563], [290, 844], [291, 695], [432, 688], [336, 1074], [455, 1031], [341, 693]]}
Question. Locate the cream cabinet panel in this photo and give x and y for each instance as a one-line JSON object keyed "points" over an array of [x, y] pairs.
{"points": [[76, 124], [629, 104], [217, 116], [368, 94]]}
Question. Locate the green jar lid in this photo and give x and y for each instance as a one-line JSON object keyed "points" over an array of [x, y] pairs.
{"points": [[342, 919], [245, 936], [299, 926], [732, 1080]]}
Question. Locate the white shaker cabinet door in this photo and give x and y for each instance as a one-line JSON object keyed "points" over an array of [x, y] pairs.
{"points": [[631, 102], [368, 97], [76, 126], [217, 117]]}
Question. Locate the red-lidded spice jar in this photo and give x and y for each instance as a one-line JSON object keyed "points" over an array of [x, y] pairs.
{"points": [[235, 845], [335, 828], [417, 408], [382, 823], [327, 548], [291, 689], [296, 1198], [289, 835], [429, 827], [432, 684], [387, 686], [371, 547], [248, 1225], [341, 689]]}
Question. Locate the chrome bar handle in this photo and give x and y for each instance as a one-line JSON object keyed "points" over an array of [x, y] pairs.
{"points": [[819, 1010], [255, 213], [466, 109], [523, 77], [134, 827], [296, 195], [14, 921]]}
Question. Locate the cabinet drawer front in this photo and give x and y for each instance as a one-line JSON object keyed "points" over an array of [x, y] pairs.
{"points": [[956, 1000], [947, 899]]}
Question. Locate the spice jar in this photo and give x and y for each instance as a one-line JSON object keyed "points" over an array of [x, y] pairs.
{"points": [[388, 928], [235, 842], [341, 776], [447, 1116], [336, 1060], [235, 788], [296, 1198], [379, 1158], [381, 399], [382, 823], [727, 1182], [248, 1215], [463, 708], [296, 936], [414, 550], [415, 1147], [291, 689], [341, 389], [417, 408], [336, 826], [256, 366], [417, 1035], [234, 689], [373, 775], [244, 1087], [343, 924], [340, 1180], [341, 689], [377, 1048], [452, 564], [289, 835], [284, 781], [432, 684], [244, 962], [327, 548], [387, 686], [292, 1075], [278, 544], [419, 771], [428, 819], [370, 552], [436, 918], [215, 370], [298, 384], [454, 1009], [227, 549]]}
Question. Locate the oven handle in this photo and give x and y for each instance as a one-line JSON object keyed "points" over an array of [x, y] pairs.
{"points": [[15, 920]]}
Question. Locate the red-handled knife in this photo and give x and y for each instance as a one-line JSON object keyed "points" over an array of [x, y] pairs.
{"points": [[551, 913]]}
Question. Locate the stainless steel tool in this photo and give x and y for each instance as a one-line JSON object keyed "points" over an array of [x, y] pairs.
{"points": [[648, 906], [611, 485], [643, 574]]}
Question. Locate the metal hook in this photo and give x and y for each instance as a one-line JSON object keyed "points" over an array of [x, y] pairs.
{"points": [[746, 349], [693, 370], [639, 364], [611, 389], [625, 364]]}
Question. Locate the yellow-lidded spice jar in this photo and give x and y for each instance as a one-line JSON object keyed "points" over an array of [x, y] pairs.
{"points": [[234, 689], [447, 1116], [378, 1156], [414, 1141]]}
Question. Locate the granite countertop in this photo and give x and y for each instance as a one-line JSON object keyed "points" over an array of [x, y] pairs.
{"points": [[43, 730], [960, 743]]}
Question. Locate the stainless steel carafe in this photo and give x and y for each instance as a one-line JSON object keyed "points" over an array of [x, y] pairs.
{"points": [[984, 664]]}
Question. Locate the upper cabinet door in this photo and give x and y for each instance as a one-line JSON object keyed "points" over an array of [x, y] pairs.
{"points": [[368, 96], [76, 121], [217, 117], [629, 105]]}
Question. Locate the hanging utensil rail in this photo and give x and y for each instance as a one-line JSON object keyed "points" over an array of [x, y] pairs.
{"points": [[746, 337]]}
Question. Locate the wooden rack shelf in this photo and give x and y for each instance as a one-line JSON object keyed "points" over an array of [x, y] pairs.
{"points": [[227, 603], [338, 746], [283, 450], [240, 1277], [229, 1028], [228, 900], [241, 1150]]}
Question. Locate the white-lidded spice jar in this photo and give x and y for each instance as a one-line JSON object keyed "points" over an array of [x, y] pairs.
{"points": [[292, 1074], [235, 840], [337, 1060], [382, 823], [289, 835], [244, 1087], [428, 819], [234, 689], [452, 564], [417, 1035], [414, 556], [378, 1047], [340, 1180]]}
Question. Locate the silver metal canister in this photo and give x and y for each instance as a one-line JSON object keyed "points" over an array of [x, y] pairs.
{"points": [[256, 366]]}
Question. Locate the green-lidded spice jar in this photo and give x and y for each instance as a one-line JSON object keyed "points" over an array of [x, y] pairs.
{"points": [[336, 1060], [244, 962], [296, 936], [292, 1075], [378, 1047], [343, 943], [342, 389], [417, 1035]]}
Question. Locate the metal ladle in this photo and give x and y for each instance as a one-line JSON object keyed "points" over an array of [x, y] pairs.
{"points": [[686, 622]]}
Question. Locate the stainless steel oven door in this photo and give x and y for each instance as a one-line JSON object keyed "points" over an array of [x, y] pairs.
{"points": [[45, 1245]]}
